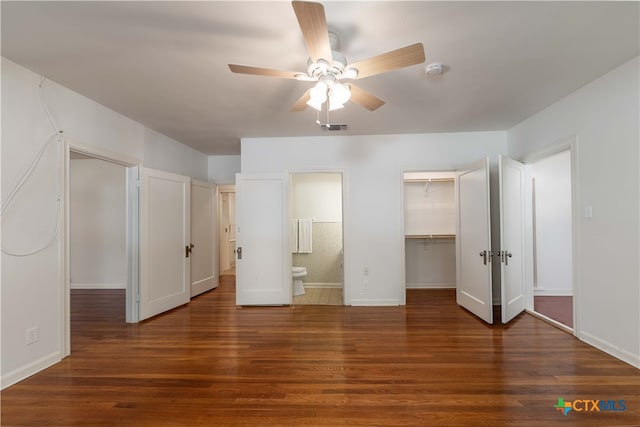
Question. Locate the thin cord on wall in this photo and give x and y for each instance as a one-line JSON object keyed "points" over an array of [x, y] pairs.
{"points": [[27, 174]]}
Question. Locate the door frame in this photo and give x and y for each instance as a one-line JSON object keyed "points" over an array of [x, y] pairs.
{"points": [[570, 144], [131, 233], [346, 294]]}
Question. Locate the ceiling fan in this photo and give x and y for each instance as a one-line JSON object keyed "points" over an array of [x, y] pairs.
{"points": [[329, 68]]}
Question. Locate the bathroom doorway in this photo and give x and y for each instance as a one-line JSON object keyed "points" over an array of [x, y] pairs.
{"points": [[316, 238]]}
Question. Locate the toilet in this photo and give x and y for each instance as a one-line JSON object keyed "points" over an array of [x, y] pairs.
{"points": [[298, 274]]}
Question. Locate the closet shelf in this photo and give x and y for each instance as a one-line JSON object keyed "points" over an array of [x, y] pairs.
{"points": [[429, 180], [430, 236]]}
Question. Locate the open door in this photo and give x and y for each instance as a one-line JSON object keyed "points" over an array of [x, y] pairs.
{"points": [[164, 241], [204, 256], [511, 175], [263, 267], [473, 242]]}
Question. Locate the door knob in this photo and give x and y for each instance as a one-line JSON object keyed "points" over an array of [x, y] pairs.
{"points": [[239, 252], [483, 254], [507, 255]]}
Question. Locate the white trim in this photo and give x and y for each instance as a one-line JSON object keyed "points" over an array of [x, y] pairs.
{"points": [[375, 302], [97, 286], [202, 286], [615, 351], [19, 374], [550, 321], [431, 285], [552, 292], [312, 285], [101, 153]]}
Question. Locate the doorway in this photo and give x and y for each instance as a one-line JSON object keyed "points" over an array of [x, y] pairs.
{"points": [[551, 196], [429, 233], [227, 229], [316, 238], [97, 243]]}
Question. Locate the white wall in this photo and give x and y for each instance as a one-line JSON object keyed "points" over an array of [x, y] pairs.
{"points": [[32, 289], [223, 169], [603, 116], [317, 196], [97, 224], [372, 167], [166, 154], [553, 224]]}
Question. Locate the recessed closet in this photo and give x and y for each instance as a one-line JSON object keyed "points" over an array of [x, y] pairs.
{"points": [[429, 230]]}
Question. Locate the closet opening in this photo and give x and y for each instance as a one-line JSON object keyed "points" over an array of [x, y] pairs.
{"points": [[430, 235], [316, 238]]}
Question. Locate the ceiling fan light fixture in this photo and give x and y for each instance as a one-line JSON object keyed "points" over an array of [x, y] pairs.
{"points": [[339, 94], [349, 73], [318, 95]]}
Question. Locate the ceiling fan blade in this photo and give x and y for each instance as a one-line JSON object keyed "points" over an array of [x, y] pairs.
{"points": [[399, 58], [259, 71], [301, 103], [364, 98], [313, 24]]}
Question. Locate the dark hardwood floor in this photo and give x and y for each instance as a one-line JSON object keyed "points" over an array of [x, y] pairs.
{"points": [[211, 363], [558, 308]]}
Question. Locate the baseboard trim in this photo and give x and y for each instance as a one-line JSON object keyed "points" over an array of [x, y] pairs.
{"points": [[19, 374], [550, 321], [374, 302], [323, 285], [552, 293], [98, 286], [430, 285], [607, 347], [204, 285]]}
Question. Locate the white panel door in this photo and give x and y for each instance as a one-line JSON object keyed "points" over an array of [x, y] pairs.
{"points": [[263, 266], [164, 236], [204, 271], [473, 240], [511, 175]]}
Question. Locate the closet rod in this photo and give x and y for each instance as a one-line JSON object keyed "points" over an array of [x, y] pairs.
{"points": [[430, 236], [429, 180]]}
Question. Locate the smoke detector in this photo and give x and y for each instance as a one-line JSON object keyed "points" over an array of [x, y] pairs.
{"points": [[434, 69]]}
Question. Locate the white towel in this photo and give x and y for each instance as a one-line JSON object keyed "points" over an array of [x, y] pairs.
{"points": [[305, 235], [293, 235]]}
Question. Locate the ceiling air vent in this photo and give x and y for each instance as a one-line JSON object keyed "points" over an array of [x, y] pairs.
{"points": [[334, 127]]}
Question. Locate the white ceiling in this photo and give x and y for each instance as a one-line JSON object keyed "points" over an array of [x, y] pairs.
{"points": [[164, 64]]}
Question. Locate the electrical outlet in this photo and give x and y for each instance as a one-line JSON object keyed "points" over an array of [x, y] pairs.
{"points": [[366, 271], [365, 285], [32, 335]]}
